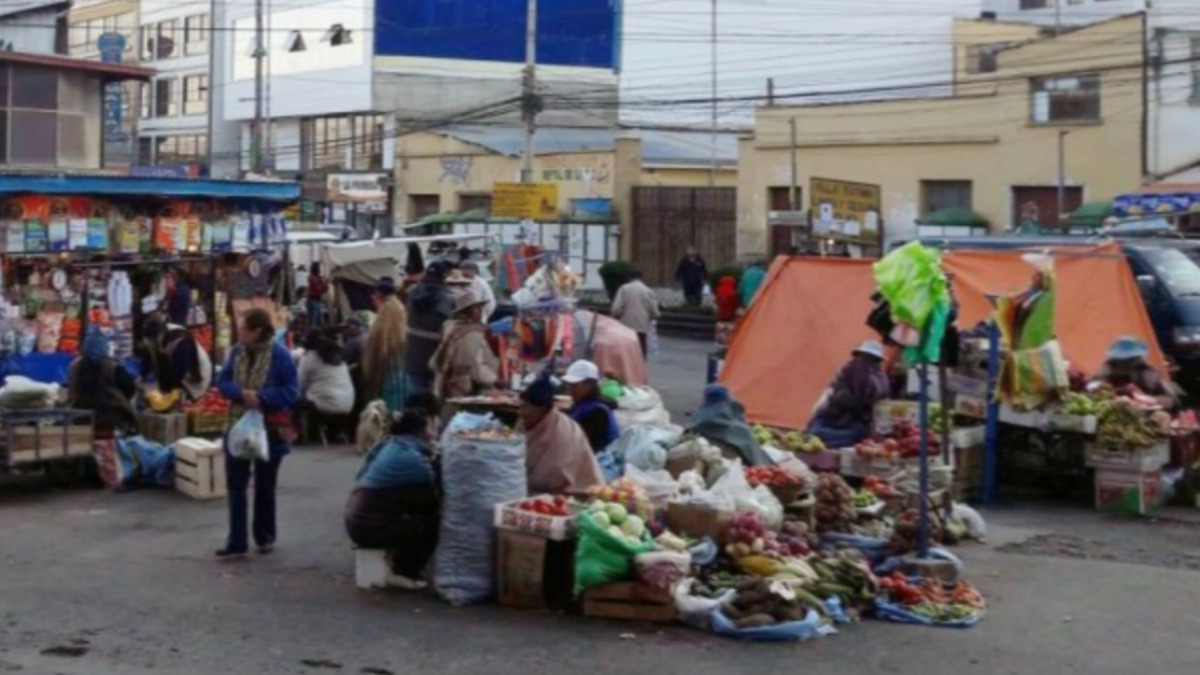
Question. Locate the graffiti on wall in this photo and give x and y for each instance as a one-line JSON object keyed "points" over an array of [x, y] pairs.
{"points": [[457, 169], [589, 170]]}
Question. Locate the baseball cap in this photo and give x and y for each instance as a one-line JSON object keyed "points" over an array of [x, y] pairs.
{"points": [[581, 371]]}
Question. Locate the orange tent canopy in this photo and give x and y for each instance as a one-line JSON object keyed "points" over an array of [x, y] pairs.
{"points": [[811, 312]]}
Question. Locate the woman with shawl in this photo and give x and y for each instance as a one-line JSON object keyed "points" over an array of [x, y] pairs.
{"points": [[558, 456], [721, 420], [429, 305], [260, 375], [98, 383], [464, 364], [383, 356]]}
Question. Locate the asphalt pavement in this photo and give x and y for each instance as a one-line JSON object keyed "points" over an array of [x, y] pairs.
{"points": [[105, 584]]}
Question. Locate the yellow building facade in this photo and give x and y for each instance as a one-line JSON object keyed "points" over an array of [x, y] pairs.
{"points": [[993, 146]]}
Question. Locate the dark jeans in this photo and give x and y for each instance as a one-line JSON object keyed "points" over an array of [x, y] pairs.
{"points": [[237, 480], [693, 296], [316, 312], [404, 521], [645, 345]]}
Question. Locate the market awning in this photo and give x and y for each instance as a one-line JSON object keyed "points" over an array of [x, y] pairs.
{"points": [[1163, 199], [1091, 214], [954, 217], [150, 187]]}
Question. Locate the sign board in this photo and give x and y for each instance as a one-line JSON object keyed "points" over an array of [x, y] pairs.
{"points": [[356, 188], [112, 48], [1160, 204], [845, 208], [533, 201]]}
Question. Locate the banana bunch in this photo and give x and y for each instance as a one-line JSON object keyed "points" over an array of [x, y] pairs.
{"points": [[845, 576]]}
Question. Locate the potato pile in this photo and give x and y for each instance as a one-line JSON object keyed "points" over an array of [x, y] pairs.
{"points": [[835, 504]]}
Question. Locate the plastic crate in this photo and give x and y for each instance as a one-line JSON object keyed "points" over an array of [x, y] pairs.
{"points": [[207, 424]]}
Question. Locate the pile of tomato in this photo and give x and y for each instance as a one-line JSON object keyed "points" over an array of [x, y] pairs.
{"points": [[548, 506], [772, 476], [211, 403]]}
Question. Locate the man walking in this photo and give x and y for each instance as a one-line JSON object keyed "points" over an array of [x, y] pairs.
{"points": [[692, 274], [636, 306]]}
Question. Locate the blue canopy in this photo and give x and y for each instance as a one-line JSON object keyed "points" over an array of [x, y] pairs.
{"points": [[150, 187]]}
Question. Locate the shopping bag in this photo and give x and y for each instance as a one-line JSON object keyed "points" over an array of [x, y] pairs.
{"points": [[248, 438], [602, 558]]}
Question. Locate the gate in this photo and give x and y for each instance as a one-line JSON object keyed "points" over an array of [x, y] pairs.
{"points": [[666, 220]]}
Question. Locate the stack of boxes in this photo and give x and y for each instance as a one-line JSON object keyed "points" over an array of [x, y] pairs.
{"points": [[1128, 481]]}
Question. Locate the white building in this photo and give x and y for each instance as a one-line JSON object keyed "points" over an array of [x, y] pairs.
{"points": [[173, 115], [34, 26]]}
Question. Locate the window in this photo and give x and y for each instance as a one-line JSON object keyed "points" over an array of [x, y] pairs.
{"points": [[945, 194], [166, 102], [354, 141], [146, 43], [338, 35], [1034, 4], [35, 88], [780, 198], [145, 151], [475, 202], [167, 45], [34, 137], [145, 97], [188, 149], [1196, 70], [982, 58], [195, 34], [423, 205], [195, 95], [294, 43], [1073, 98]]}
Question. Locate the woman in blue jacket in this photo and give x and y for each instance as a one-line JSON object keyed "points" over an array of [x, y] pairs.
{"points": [[260, 375]]}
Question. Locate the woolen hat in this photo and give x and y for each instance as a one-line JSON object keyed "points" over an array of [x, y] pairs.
{"points": [[540, 393]]}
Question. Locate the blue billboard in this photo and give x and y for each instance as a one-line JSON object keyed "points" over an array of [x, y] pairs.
{"points": [[582, 33]]}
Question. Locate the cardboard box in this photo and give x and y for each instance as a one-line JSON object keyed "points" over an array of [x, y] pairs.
{"points": [[534, 572], [629, 601], [1127, 492], [698, 521], [559, 528], [164, 428], [1136, 460], [888, 412], [200, 468]]}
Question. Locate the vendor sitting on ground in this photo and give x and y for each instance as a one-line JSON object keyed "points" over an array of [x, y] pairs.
{"points": [[464, 364], [590, 409], [844, 417], [98, 383], [396, 502], [1127, 371], [558, 457], [721, 420], [177, 360]]}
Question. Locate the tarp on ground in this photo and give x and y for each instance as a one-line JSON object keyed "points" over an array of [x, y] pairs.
{"points": [[811, 312]]}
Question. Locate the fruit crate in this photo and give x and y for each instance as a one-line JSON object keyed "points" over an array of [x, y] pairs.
{"points": [[199, 468], [207, 423], [32, 436], [629, 601], [556, 528], [1129, 459], [163, 428]]}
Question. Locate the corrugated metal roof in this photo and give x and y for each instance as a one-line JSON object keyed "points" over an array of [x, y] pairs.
{"points": [[658, 146], [12, 7]]}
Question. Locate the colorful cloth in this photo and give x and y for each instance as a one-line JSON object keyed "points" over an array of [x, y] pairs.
{"points": [[558, 457]]}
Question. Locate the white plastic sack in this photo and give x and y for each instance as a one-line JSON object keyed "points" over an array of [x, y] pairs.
{"points": [[659, 486], [641, 406], [476, 476], [248, 438], [21, 392], [734, 487], [643, 446], [694, 610], [661, 569]]}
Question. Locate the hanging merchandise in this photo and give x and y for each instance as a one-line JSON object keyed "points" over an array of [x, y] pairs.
{"points": [[35, 237], [911, 280], [1033, 369], [77, 234], [14, 236], [97, 234]]}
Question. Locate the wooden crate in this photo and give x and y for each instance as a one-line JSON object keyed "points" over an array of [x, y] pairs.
{"points": [[200, 468], [533, 572], [164, 428], [33, 442], [207, 424], [629, 601]]}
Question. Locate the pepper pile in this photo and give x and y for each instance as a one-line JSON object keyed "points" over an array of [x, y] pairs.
{"points": [[929, 599]]}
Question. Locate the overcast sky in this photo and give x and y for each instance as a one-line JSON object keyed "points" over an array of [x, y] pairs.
{"points": [[807, 46]]}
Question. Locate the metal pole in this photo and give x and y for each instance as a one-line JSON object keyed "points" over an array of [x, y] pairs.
{"points": [[992, 423], [529, 89], [793, 199], [1062, 177], [1057, 17], [256, 138], [923, 462], [712, 174]]}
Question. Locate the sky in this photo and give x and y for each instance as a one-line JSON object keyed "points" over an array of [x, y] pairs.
{"points": [[809, 47]]}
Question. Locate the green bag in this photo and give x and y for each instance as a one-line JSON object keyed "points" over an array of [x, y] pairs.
{"points": [[601, 558], [911, 279]]}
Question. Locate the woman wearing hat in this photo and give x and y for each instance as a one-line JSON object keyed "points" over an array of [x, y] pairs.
{"points": [[558, 457], [463, 364], [1127, 371], [843, 418], [98, 383], [429, 306]]}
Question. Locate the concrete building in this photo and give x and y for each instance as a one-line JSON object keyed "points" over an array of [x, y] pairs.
{"points": [[343, 79], [173, 38], [992, 148], [454, 169], [93, 22], [34, 26]]}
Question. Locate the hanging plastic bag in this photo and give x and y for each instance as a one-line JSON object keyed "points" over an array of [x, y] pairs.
{"points": [[911, 280], [248, 438], [602, 557]]}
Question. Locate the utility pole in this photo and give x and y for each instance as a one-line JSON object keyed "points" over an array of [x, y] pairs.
{"points": [[1057, 17], [530, 104], [712, 174], [1062, 175], [793, 200], [256, 138]]}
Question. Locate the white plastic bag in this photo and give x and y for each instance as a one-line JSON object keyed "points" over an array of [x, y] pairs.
{"points": [[643, 447], [658, 485], [734, 487], [661, 569], [694, 610], [641, 406], [248, 438]]}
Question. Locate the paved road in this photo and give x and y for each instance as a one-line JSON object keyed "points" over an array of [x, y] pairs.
{"points": [[124, 584]]}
